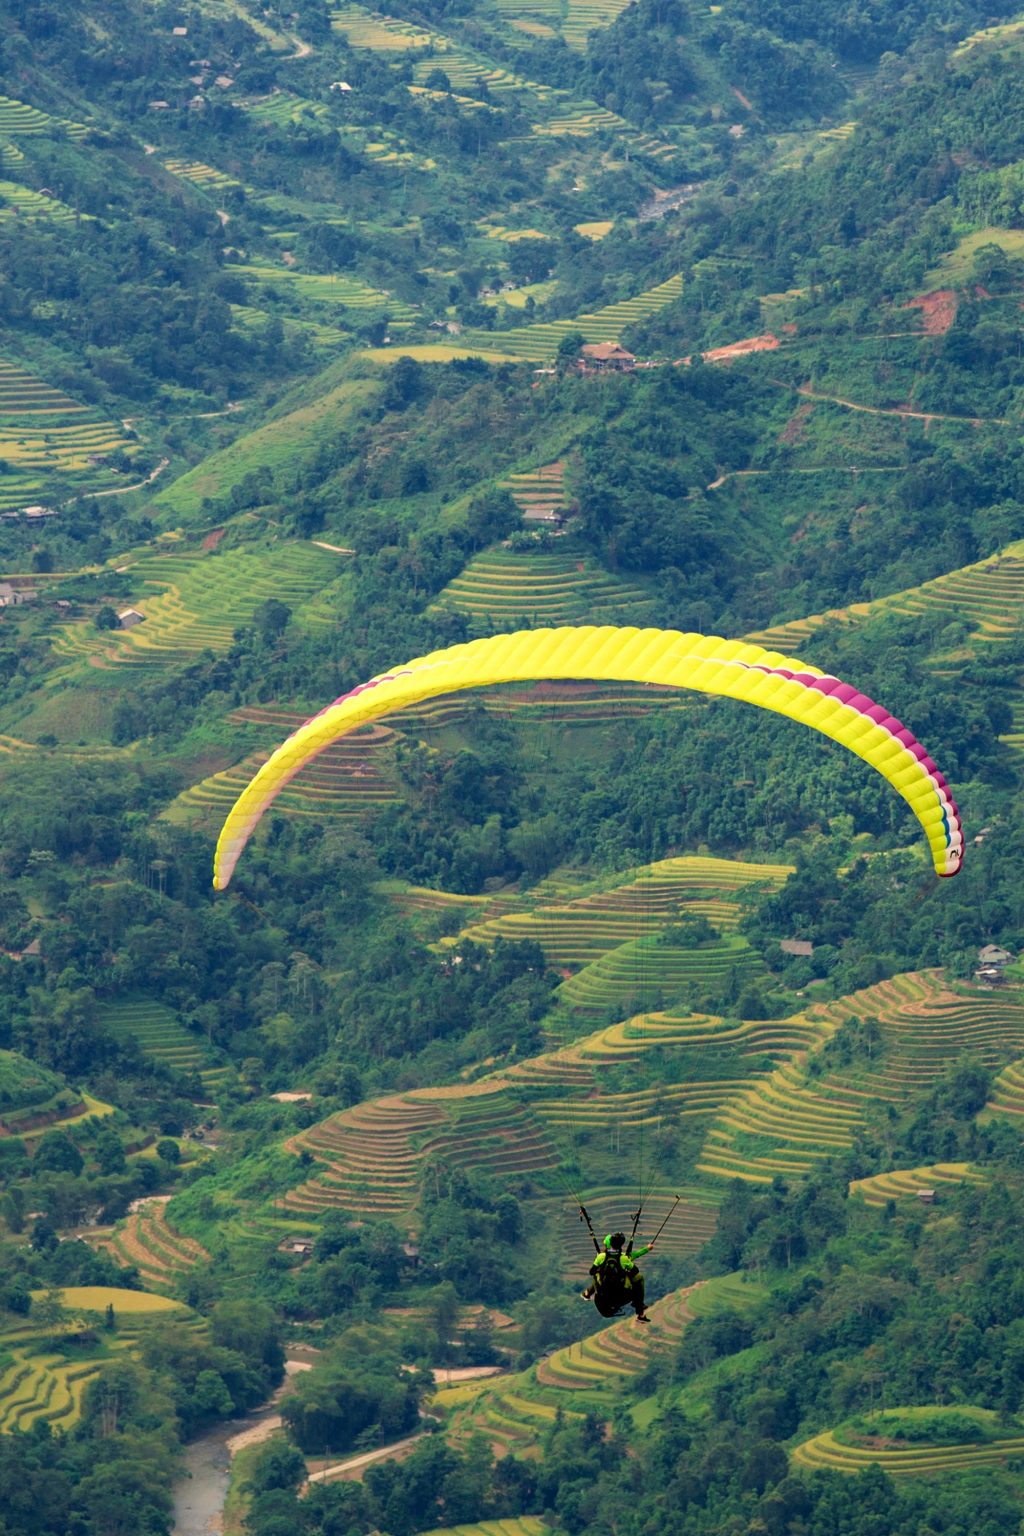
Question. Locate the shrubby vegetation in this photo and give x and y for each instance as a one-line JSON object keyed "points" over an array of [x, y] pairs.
{"points": [[715, 498]]}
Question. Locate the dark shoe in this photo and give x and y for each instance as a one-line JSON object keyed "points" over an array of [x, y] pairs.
{"points": [[642, 1317]]}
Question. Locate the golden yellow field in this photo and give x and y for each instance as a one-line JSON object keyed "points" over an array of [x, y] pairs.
{"points": [[97, 1298]]}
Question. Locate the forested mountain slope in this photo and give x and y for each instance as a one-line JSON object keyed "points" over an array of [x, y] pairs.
{"points": [[292, 309]]}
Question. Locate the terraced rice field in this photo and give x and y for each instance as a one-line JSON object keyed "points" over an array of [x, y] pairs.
{"points": [[539, 491], [505, 589], [581, 930], [146, 1241], [374, 1151], [904, 1182], [17, 119], [623, 1349], [245, 316], [200, 175], [158, 1033], [282, 108], [926, 1026], [323, 288], [18, 202], [22, 394], [788, 1121], [383, 34], [44, 432], [519, 1525], [539, 343], [514, 1121], [557, 703], [644, 966], [466, 103], [348, 780], [1008, 1091], [573, 21], [586, 16], [691, 1224], [465, 71], [40, 1384], [384, 147], [205, 597], [512, 1412], [839, 1451], [990, 594]]}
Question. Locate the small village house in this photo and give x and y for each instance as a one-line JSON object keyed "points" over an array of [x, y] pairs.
{"points": [[606, 357], [14, 597]]}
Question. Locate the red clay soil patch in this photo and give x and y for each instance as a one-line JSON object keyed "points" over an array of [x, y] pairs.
{"points": [[744, 101], [213, 538], [790, 328], [938, 310], [766, 343]]}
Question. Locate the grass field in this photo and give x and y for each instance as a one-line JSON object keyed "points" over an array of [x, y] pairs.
{"points": [[277, 443], [97, 1298], [955, 270], [434, 352], [519, 1525]]}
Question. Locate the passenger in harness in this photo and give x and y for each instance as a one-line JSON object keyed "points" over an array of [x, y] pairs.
{"points": [[615, 1279]]}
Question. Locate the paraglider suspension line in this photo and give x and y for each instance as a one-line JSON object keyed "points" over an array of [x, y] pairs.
{"points": [[665, 1223], [593, 1235]]}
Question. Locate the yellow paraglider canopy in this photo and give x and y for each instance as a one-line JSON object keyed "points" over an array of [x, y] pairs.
{"points": [[731, 669]]}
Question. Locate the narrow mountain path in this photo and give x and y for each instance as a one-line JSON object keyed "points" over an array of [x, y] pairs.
{"points": [[891, 410], [812, 469], [122, 490]]}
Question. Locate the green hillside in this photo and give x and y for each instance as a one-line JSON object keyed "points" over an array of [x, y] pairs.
{"points": [[333, 337]]}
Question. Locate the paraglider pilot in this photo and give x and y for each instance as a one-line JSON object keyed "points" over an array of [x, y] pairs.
{"points": [[615, 1279]]}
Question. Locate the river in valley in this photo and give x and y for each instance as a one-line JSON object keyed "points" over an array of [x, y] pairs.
{"points": [[200, 1493]]}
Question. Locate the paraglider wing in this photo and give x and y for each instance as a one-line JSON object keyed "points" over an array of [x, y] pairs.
{"points": [[731, 669]]}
